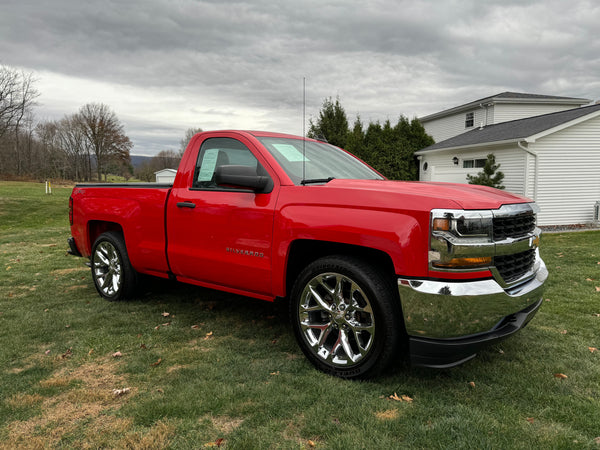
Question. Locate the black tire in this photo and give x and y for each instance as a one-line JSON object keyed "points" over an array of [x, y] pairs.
{"points": [[114, 277], [346, 317]]}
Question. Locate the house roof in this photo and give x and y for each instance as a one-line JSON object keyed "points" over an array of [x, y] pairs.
{"points": [[508, 97], [166, 171], [515, 130]]}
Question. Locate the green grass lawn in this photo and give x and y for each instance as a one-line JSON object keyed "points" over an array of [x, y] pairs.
{"points": [[200, 368]]}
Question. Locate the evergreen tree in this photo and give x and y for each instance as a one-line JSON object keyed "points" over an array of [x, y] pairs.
{"points": [[387, 148], [490, 176], [355, 141], [332, 124]]}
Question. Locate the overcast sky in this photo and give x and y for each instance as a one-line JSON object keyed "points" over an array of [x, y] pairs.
{"points": [[165, 66]]}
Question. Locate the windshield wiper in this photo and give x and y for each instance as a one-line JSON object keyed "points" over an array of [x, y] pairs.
{"points": [[317, 180]]}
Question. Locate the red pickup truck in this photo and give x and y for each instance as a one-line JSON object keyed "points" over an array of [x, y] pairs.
{"points": [[374, 270]]}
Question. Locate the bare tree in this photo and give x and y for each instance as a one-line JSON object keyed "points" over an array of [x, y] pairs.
{"points": [[76, 146], [105, 135], [9, 88], [189, 134], [17, 98]]}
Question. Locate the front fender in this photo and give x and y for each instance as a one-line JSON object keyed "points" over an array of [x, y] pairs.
{"points": [[402, 236]]}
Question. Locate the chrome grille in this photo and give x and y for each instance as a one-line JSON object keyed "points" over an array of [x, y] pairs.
{"points": [[512, 267], [515, 226]]}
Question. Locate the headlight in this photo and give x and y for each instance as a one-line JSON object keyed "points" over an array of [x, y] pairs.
{"points": [[461, 239]]}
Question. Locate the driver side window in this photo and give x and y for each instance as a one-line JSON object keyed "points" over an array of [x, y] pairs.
{"points": [[217, 152]]}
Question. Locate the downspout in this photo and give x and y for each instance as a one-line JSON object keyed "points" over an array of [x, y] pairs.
{"points": [[535, 172], [486, 107]]}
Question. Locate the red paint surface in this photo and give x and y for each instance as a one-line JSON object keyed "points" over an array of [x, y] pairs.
{"points": [[240, 241]]}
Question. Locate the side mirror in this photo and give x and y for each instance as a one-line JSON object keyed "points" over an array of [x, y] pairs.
{"points": [[243, 177]]}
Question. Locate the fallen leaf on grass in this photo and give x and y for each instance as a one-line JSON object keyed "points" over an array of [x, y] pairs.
{"points": [[165, 314], [90, 352], [157, 362], [597, 288], [588, 279], [67, 354], [311, 444], [143, 347], [208, 335], [47, 352], [564, 332], [403, 398], [217, 443], [597, 440], [120, 392], [195, 327], [560, 375], [530, 419], [592, 349], [596, 315], [274, 373], [472, 384], [117, 354]]}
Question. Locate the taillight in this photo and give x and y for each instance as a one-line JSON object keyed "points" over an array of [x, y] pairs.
{"points": [[71, 210]]}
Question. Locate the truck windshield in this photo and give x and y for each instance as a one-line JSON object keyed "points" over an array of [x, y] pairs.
{"points": [[316, 162]]}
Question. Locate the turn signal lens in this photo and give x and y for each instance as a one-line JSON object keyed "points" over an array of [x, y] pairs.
{"points": [[441, 224], [463, 263]]}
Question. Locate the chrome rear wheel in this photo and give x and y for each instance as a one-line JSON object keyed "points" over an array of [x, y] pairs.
{"points": [[107, 268], [113, 275]]}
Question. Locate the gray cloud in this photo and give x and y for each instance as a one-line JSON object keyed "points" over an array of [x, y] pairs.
{"points": [[165, 66]]}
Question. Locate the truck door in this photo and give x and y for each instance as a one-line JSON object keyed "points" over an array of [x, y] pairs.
{"points": [[220, 235]]}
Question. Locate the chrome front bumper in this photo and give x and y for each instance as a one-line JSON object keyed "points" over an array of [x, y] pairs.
{"points": [[455, 309]]}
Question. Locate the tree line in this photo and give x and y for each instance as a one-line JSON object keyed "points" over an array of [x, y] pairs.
{"points": [[81, 146], [386, 147], [91, 143]]}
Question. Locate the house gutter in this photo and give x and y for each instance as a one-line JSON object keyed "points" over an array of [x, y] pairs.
{"points": [[523, 146]]}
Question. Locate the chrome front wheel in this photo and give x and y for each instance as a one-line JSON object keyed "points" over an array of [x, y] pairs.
{"points": [[336, 319], [346, 316]]}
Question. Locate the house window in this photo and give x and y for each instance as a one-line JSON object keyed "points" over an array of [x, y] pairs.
{"points": [[473, 163], [469, 120]]}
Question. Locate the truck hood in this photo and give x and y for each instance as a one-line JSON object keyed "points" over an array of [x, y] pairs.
{"points": [[447, 195]]}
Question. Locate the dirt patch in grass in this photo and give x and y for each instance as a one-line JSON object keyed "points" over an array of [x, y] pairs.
{"points": [[177, 367], [77, 287], [68, 271], [24, 400], [87, 409], [157, 436], [390, 414], [226, 424]]}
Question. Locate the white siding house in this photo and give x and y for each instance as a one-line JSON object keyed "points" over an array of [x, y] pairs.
{"points": [[552, 158], [493, 110], [165, 175]]}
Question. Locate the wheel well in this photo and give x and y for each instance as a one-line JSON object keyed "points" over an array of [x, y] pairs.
{"points": [[303, 252], [97, 227]]}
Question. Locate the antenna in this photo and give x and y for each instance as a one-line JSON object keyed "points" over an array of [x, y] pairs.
{"points": [[303, 128]]}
